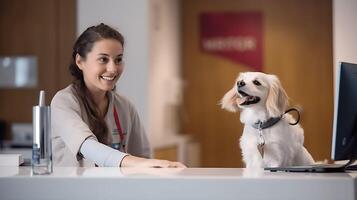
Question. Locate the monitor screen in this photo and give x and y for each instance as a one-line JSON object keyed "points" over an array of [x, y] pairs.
{"points": [[344, 145]]}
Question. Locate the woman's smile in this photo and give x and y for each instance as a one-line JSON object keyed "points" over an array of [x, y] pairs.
{"points": [[108, 78]]}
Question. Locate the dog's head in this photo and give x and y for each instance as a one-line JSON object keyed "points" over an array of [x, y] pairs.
{"points": [[255, 88]]}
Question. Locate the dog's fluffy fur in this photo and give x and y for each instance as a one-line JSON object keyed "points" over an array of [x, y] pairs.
{"points": [[259, 97]]}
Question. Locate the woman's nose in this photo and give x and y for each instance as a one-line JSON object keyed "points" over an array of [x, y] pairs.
{"points": [[112, 67]]}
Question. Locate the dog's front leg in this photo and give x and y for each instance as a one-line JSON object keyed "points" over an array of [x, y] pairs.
{"points": [[252, 157]]}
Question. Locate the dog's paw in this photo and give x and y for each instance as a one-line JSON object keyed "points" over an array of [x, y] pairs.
{"points": [[253, 172]]}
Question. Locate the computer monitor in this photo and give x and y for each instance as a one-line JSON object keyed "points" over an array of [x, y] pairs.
{"points": [[344, 142]]}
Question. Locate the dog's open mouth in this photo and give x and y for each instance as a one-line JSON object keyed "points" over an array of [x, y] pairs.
{"points": [[247, 99]]}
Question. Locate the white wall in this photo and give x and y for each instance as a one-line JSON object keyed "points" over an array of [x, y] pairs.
{"points": [[344, 31], [130, 18]]}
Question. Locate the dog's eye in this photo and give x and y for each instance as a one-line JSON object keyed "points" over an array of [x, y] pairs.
{"points": [[256, 82]]}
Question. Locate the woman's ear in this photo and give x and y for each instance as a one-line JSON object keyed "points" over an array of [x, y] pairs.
{"points": [[229, 100], [79, 61], [277, 100]]}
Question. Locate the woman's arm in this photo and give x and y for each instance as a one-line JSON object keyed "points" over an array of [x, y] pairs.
{"points": [[100, 154], [105, 156], [67, 123]]}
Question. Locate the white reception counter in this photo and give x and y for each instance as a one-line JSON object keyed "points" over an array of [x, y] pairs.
{"points": [[171, 184]]}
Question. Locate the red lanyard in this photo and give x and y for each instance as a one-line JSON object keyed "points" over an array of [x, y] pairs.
{"points": [[120, 130]]}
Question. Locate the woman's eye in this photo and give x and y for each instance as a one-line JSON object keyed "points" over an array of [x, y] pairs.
{"points": [[256, 82], [118, 60], [103, 60]]}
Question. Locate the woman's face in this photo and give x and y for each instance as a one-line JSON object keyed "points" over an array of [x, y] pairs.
{"points": [[102, 66]]}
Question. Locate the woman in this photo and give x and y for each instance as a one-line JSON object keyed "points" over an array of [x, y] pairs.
{"points": [[88, 116]]}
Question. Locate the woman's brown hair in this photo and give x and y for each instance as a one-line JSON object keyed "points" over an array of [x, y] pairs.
{"points": [[82, 47]]}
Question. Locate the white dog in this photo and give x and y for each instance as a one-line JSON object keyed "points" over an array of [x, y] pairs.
{"points": [[269, 139]]}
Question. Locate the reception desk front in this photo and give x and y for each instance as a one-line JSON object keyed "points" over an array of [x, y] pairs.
{"points": [[174, 184]]}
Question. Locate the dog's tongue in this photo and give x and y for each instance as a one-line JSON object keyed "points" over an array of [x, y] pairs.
{"points": [[243, 99]]}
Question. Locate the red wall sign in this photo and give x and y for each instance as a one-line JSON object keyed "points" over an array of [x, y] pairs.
{"points": [[236, 36]]}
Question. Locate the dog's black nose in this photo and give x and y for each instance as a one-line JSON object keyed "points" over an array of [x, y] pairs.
{"points": [[240, 84]]}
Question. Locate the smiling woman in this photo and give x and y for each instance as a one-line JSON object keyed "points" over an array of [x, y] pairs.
{"points": [[102, 66], [92, 125]]}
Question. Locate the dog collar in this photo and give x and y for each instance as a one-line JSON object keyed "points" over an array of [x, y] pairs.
{"points": [[273, 120], [263, 125]]}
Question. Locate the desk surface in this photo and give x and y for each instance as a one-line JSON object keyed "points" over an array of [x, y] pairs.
{"points": [[190, 183]]}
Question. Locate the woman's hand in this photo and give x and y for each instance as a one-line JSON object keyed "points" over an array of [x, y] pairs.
{"points": [[133, 161]]}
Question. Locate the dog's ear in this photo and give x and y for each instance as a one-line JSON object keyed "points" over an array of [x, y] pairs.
{"points": [[229, 100], [277, 100]]}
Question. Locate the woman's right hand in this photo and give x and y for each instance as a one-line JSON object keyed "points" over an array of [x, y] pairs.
{"points": [[133, 161]]}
